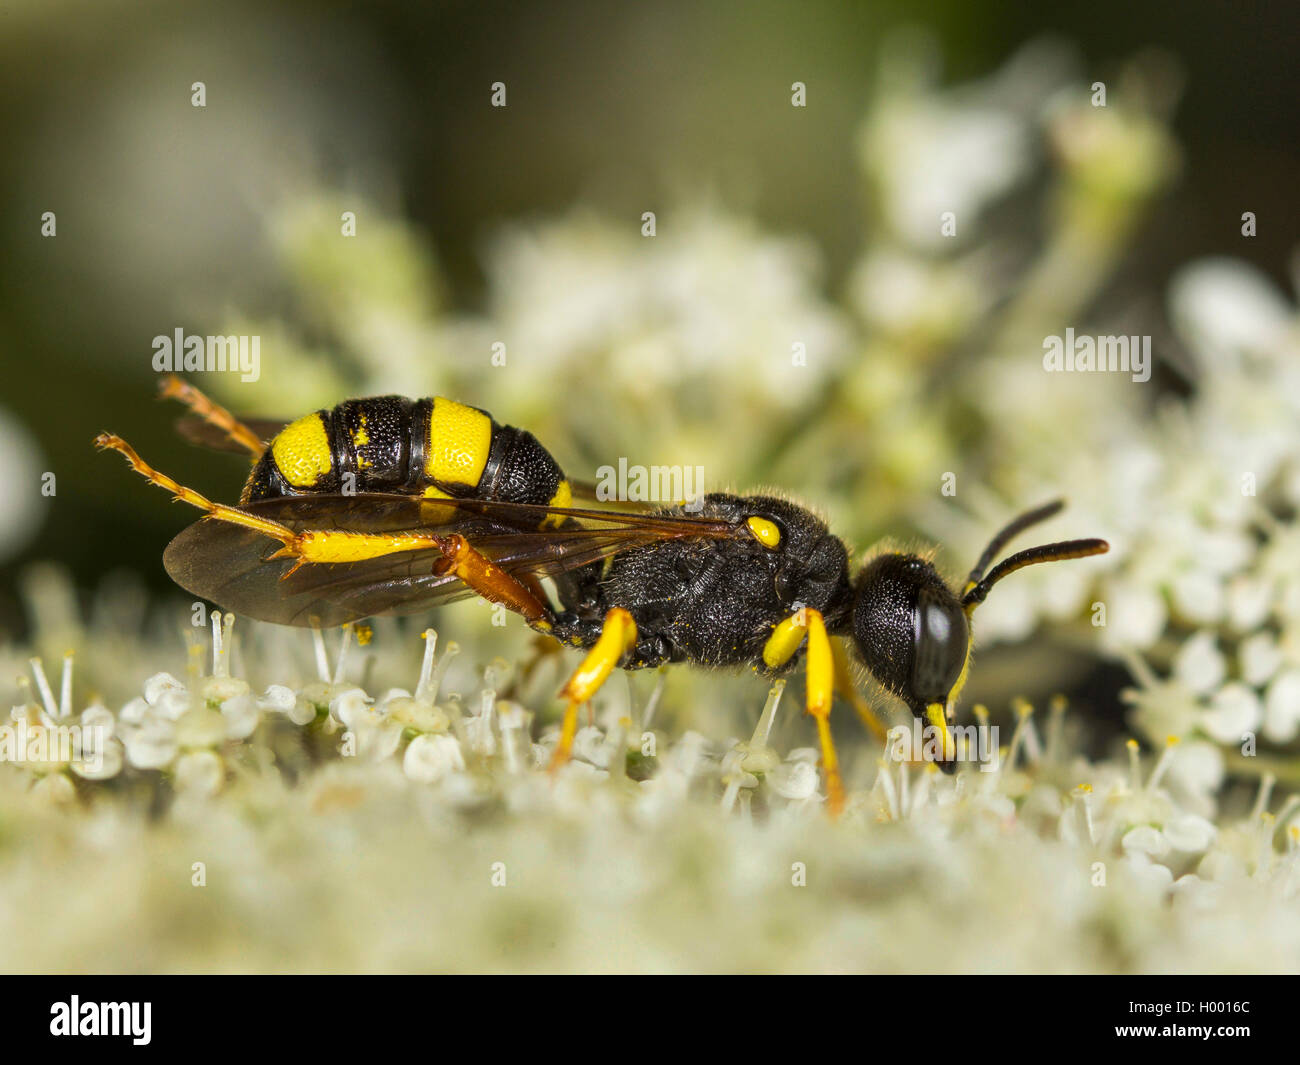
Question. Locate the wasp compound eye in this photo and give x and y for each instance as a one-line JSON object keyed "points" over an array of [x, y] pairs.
{"points": [[941, 638]]}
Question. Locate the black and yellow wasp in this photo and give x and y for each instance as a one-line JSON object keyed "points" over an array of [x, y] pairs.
{"points": [[390, 506]]}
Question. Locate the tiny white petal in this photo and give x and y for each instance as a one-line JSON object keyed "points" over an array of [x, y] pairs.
{"points": [[430, 758], [172, 703], [278, 699], [106, 765], [1282, 707], [1199, 664], [1190, 833], [152, 746], [794, 779], [199, 773], [1260, 658], [159, 683], [241, 715], [1146, 840], [1234, 711]]}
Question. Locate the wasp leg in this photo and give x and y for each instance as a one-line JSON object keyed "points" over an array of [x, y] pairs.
{"points": [[845, 686], [492, 582], [617, 640], [219, 511], [781, 646], [172, 387]]}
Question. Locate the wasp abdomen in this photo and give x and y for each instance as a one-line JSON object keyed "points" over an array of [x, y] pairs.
{"points": [[435, 447]]}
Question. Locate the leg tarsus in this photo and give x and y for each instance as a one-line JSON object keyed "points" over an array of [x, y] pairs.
{"points": [[617, 639], [845, 686], [172, 387], [219, 511]]}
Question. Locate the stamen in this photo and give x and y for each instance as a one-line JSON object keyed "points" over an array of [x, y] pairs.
{"points": [[763, 730], [65, 687], [430, 638], [1262, 796], [345, 645], [1162, 766], [43, 685], [322, 659], [652, 704], [440, 669], [886, 783]]}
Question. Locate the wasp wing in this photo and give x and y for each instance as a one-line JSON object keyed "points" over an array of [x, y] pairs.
{"points": [[198, 430], [231, 565]]}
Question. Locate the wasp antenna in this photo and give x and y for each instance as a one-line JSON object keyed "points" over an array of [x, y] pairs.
{"points": [[1015, 528], [979, 590]]}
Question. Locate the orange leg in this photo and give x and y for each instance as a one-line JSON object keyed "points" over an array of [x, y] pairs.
{"points": [[235, 516], [172, 387], [492, 582], [617, 638]]}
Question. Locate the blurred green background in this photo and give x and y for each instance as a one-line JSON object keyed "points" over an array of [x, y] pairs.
{"points": [[162, 209]]}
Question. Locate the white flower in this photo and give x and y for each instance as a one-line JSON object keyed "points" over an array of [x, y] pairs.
{"points": [[199, 773], [1227, 310], [797, 777], [1136, 615], [1282, 707], [1235, 710], [1199, 665], [430, 758], [370, 733], [1260, 658]]}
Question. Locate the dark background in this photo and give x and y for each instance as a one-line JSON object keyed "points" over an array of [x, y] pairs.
{"points": [[610, 104]]}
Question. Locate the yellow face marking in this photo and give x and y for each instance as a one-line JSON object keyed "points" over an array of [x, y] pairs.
{"points": [[434, 492], [563, 498], [765, 532], [961, 679], [301, 450], [459, 440], [935, 716], [335, 547]]}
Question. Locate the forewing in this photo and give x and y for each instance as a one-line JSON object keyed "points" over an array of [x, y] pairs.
{"points": [[231, 565]]}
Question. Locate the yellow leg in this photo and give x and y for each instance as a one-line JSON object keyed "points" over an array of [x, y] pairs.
{"points": [[845, 686], [785, 640], [172, 387], [617, 638]]}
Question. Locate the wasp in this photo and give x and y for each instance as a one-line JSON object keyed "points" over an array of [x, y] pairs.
{"points": [[388, 505]]}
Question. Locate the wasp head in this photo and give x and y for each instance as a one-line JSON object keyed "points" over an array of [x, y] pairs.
{"points": [[913, 631]]}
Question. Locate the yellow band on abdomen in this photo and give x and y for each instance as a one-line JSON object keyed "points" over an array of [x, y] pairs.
{"points": [[460, 438], [301, 451]]}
